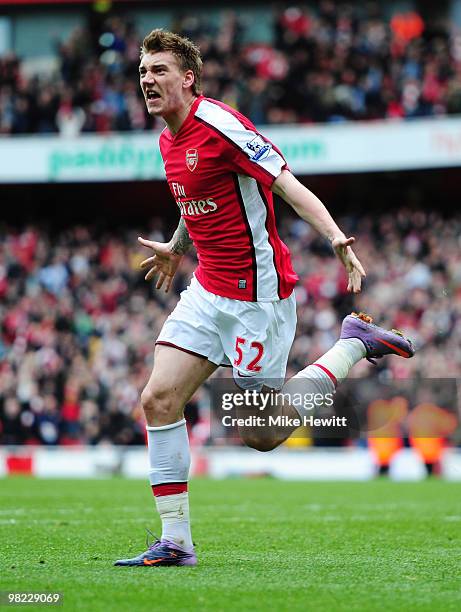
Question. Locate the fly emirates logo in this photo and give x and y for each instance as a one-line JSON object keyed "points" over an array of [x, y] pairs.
{"points": [[192, 207]]}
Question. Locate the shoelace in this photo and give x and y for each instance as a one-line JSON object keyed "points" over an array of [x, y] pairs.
{"points": [[157, 540], [154, 544]]}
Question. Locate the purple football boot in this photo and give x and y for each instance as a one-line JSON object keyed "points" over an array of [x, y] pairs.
{"points": [[160, 554], [377, 341]]}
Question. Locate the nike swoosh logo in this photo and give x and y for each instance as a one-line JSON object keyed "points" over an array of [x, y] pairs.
{"points": [[398, 350], [243, 375], [152, 561]]}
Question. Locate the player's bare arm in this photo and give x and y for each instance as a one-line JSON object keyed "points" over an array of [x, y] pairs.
{"points": [[181, 241], [310, 208], [167, 256]]}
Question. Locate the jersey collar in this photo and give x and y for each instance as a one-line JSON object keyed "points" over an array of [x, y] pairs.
{"points": [[189, 117]]}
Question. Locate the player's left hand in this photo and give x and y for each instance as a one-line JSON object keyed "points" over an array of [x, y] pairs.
{"points": [[350, 261]]}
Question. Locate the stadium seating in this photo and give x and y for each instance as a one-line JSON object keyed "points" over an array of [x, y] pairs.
{"points": [[337, 63]]}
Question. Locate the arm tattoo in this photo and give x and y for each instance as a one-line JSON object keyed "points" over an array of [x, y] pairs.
{"points": [[181, 241]]}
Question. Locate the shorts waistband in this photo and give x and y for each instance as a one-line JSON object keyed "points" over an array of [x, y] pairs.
{"points": [[195, 285]]}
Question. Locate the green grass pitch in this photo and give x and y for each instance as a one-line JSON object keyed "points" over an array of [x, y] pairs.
{"points": [[262, 545]]}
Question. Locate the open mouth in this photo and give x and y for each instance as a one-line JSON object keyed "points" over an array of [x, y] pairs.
{"points": [[152, 95]]}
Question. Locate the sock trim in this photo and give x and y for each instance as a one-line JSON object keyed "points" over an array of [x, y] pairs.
{"points": [[164, 427], [327, 371], [169, 488]]}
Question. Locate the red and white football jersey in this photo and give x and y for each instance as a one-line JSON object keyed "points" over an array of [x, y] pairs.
{"points": [[220, 171]]}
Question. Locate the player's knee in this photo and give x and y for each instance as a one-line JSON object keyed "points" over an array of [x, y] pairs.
{"points": [[261, 444], [158, 404]]}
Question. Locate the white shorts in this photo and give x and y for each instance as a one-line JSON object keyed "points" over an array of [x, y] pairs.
{"points": [[252, 337]]}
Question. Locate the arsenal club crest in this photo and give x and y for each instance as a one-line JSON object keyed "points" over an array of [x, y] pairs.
{"points": [[191, 159]]}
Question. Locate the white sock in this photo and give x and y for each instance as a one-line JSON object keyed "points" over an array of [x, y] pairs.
{"points": [[329, 370], [174, 513], [169, 463], [341, 357]]}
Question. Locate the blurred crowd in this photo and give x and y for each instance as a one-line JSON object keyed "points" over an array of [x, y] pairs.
{"points": [[335, 62], [78, 321]]}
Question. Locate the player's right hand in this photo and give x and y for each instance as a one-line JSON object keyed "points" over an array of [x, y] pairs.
{"points": [[163, 262]]}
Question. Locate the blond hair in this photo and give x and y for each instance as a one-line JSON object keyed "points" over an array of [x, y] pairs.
{"points": [[186, 52]]}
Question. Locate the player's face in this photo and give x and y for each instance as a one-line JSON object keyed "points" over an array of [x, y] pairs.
{"points": [[163, 83]]}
